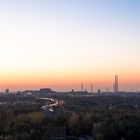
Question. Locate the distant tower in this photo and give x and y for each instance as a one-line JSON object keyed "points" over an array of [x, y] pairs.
{"points": [[116, 84], [82, 87], [91, 90], [113, 87]]}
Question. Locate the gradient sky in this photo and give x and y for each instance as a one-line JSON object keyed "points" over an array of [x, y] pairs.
{"points": [[63, 43]]}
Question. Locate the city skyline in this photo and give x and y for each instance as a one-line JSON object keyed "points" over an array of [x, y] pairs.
{"points": [[84, 87], [61, 44]]}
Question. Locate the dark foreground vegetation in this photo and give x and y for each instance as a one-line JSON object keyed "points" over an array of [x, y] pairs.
{"points": [[102, 118]]}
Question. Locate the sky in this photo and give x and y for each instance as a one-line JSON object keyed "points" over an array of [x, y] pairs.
{"points": [[63, 43]]}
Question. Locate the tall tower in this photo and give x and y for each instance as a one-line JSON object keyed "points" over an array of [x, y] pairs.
{"points": [[82, 87], [116, 84], [91, 90]]}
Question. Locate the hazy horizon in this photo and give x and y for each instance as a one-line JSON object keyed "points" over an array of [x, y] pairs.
{"points": [[63, 43]]}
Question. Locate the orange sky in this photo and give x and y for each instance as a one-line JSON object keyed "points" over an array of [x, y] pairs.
{"points": [[62, 44], [63, 82]]}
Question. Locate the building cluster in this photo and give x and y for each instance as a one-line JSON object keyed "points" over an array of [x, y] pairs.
{"points": [[41, 92], [115, 87]]}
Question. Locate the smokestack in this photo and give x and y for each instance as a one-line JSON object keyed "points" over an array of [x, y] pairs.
{"points": [[91, 88], [82, 87]]}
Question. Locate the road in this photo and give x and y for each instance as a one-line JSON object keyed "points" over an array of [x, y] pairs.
{"points": [[54, 103]]}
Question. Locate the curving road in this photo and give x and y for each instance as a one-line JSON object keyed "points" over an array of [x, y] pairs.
{"points": [[55, 102]]}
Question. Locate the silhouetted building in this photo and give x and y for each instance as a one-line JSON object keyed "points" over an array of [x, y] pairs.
{"points": [[72, 90], [7, 91], [99, 91], [46, 91]]}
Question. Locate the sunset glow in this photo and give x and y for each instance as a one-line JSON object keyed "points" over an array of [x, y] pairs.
{"points": [[63, 43]]}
